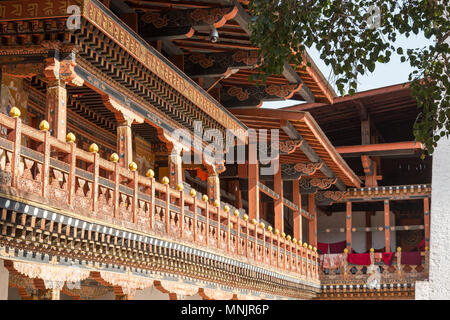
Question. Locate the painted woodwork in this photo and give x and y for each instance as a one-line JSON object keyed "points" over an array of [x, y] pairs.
{"points": [[278, 203], [348, 227], [218, 64], [253, 96], [312, 224]]}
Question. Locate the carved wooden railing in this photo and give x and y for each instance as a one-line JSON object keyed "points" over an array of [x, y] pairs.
{"points": [[38, 167], [395, 274]]}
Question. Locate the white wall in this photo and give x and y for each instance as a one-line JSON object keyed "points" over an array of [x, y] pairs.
{"points": [[337, 220], [4, 279]]}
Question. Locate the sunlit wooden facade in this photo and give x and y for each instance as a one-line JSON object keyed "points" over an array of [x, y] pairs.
{"points": [[96, 201]]}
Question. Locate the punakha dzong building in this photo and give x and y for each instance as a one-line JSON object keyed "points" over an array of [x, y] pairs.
{"points": [[97, 202]]}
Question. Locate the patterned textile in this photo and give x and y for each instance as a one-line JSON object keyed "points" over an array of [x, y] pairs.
{"points": [[361, 259], [411, 258], [337, 247], [332, 261]]}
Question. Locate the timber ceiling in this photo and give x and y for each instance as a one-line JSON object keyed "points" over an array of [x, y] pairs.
{"points": [[182, 30]]}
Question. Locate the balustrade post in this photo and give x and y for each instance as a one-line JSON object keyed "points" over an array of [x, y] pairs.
{"points": [[278, 248], [45, 149], [72, 163], [207, 222], [238, 235], [135, 193], [246, 238], [228, 231], [399, 262], [345, 271], [255, 246], [264, 243], [167, 216], [16, 136], [95, 183], [116, 189], [218, 227], [194, 209], [181, 203], [153, 203], [271, 248]]}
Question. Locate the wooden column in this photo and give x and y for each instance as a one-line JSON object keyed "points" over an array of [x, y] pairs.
{"points": [[253, 191], [387, 226], [56, 113], [312, 225], [125, 143], [175, 166], [297, 197], [426, 220], [278, 203], [348, 227], [213, 187]]}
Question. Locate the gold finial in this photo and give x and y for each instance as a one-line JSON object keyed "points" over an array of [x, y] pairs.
{"points": [[283, 235], [150, 173], [236, 213], [216, 203], [254, 221], [205, 198], [305, 245], [277, 231], [345, 250], [114, 157], [288, 238], [310, 247], [70, 138], [44, 125], [226, 208], [132, 166], [14, 112], [399, 249], [165, 180], [294, 240], [262, 225], [315, 249], [372, 250], [269, 228], [192, 193], [93, 148], [245, 217], [180, 187]]}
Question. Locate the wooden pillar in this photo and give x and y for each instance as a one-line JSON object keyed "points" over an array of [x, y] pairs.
{"points": [[426, 220], [348, 227], [56, 113], [312, 225], [387, 226], [213, 187], [297, 197], [175, 166], [278, 203], [124, 143], [253, 191]]}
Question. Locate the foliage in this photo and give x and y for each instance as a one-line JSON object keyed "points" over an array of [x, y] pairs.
{"points": [[351, 39]]}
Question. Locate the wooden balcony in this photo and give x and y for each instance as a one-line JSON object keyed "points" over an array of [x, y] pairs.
{"points": [[39, 169], [352, 281]]}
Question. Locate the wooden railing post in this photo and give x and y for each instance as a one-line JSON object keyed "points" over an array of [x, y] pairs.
{"points": [[228, 230], [238, 233], [135, 194], [16, 136], [72, 162], [167, 216], [207, 222], [246, 236], [153, 205], [45, 174], [181, 203], [95, 183], [194, 209], [116, 189], [218, 227]]}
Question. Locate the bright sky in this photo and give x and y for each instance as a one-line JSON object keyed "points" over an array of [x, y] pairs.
{"points": [[384, 75]]}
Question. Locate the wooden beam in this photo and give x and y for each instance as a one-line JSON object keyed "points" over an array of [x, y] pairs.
{"points": [[381, 149]]}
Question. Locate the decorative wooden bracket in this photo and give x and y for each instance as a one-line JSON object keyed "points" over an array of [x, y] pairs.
{"points": [[291, 171], [218, 64], [253, 96], [216, 17], [323, 183]]}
